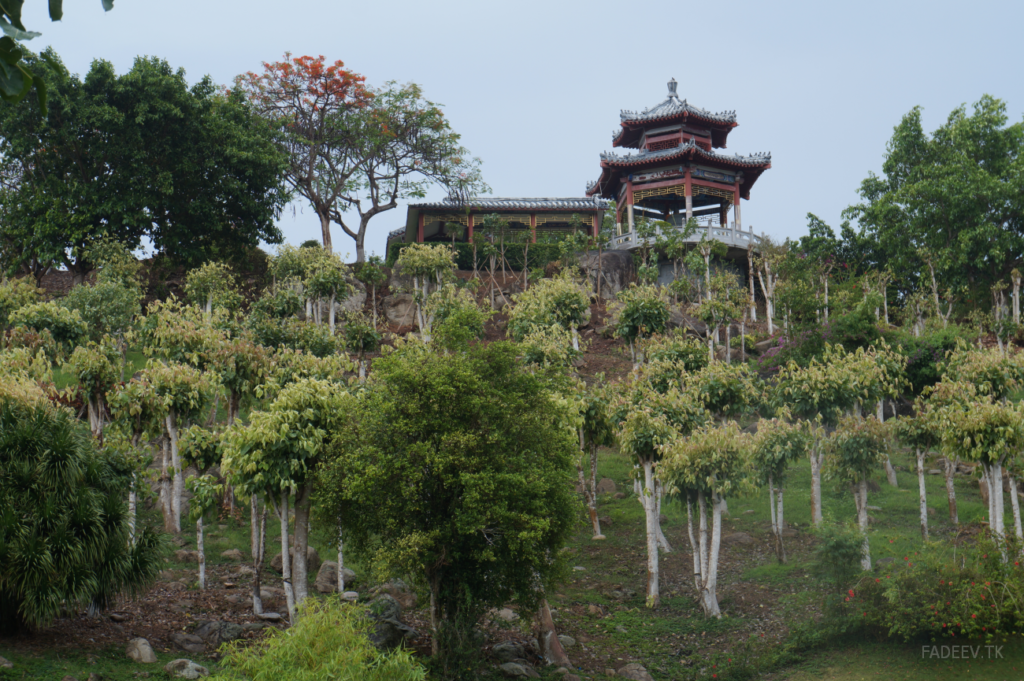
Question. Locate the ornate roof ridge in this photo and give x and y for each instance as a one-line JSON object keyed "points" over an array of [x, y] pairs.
{"points": [[758, 158], [673, 106], [518, 202]]}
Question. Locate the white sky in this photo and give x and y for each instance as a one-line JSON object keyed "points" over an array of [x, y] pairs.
{"points": [[535, 88]]}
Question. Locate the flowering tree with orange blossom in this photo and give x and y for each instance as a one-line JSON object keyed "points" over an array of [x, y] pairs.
{"points": [[310, 103]]}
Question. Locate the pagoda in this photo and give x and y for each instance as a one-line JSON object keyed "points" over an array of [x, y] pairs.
{"points": [[676, 174]]}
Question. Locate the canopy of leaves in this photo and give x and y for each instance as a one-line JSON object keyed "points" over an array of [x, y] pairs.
{"points": [[459, 470], [641, 313], [66, 326], [856, 449], [560, 300], [136, 155], [715, 458]]}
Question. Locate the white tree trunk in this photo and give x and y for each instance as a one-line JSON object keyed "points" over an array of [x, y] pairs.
{"points": [[286, 563], [890, 472], [179, 477], [694, 547], [816, 458], [771, 505], [132, 503], [862, 521], [995, 493], [662, 539], [951, 491], [254, 530], [781, 524], [330, 314], [921, 490], [165, 485], [650, 503], [300, 575], [202, 554], [1015, 505], [259, 551], [709, 594]]}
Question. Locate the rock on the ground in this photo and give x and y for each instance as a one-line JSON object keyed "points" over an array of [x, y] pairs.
{"points": [[605, 520], [327, 577], [312, 560], [253, 626], [5, 663], [518, 670], [620, 495], [190, 643], [140, 651], [506, 615], [401, 592], [789, 533], [506, 651], [617, 270], [185, 669], [350, 596], [231, 554], [737, 538], [69, 678], [389, 630], [634, 671], [217, 632], [874, 508], [356, 300], [566, 641], [606, 486], [400, 309], [570, 677], [186, 556], [934, 472], [690, 325], [595, 610]]}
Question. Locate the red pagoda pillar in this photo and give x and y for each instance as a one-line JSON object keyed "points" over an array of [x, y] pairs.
{"points": [[533, 228], [419, 230], [688, 183], [469, 228], [596, 227], [629, 205]]}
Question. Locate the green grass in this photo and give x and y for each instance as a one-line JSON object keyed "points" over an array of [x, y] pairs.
{"points": [[110, 663]]}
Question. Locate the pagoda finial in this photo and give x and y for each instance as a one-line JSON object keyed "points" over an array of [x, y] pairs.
{"points": [[672, 89]]}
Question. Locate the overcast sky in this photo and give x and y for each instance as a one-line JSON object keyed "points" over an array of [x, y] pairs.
{"points": [[535, 88]]}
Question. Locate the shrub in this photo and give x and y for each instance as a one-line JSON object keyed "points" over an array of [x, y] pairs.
{"points": [[560, 300], [64, 522], [16, 293], [857, 328], [836, 564], [329, 641], [296, 335], [539, 255], [107, 308], [32, 340], [925, 354], [66, 326]]}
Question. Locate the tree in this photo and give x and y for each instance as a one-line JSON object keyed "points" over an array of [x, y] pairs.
{"points": [[185, 393], [213, 284], [596, 430], [956, 192], [136, 155], [852, 452], [400, 143], [277, 453], [641, 313], [372, 275], [561, 300], [714, 459], [202, 448], [16, 81], [483, 454], [64, 526], [776, 445], [310, 103], [430, 266], [328, 279], [97, 366]]}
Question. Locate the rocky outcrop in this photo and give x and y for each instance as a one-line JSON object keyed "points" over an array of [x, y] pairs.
{"points": [[327, 578], [617, 270], [389, 631], [140, 651], [190, 643], [185, 669], [218, 631], [312, 560], [400, 309]]}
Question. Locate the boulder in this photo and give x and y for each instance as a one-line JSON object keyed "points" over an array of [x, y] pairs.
{"points": [[505, 615], [232, 554], [217, 632], [185, 669], [186, 556], [620, 495], [690, 325], [327, 578], [400, 309], [506, 651], [634, 671], [401, 592], [595, 610], [566, 641], [6, 664], [765, 345], [190, 643], [617, 270], [69, 678], [606, 486], [518, 670], [356, 301], [269, 593], [312, 560], [737, 538], [389, 631], [605, 520], [140, 651]]}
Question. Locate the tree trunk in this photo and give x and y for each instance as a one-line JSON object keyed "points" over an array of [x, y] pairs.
{"points": [[179, 477], [951, 491], [259, 551], [649, 499], [921, 490], [662, 539], [890, 472], [254, 530], [547, 638], [132, 503], [995, 493], [771, 504], [1015, 504], [165, 485], [589, 490], [816, 459], [702, 534], [202, 554], [693, 543], [286, 562], [862, 521], [750, 276], [782, 525], [330, 314], [300, 576], [709, 593], [341, 564], [435, 620], [325, 231]]}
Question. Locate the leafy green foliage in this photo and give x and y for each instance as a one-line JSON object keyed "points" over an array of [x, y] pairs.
{"points": [[16, 293], [107, 307], [213, 285], [457, 469], [561, 300], [314, 339], [856, 449], [329, 641], [456, 318], [63, 519], [276, 303], [776, 446], [66, 327], [837, 561]]}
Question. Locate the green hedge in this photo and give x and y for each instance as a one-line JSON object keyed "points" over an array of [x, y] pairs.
{"points": [[539, 255]]}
